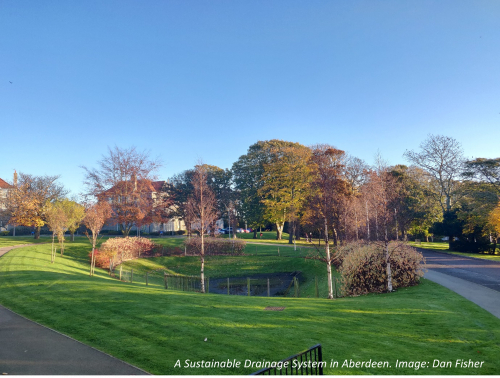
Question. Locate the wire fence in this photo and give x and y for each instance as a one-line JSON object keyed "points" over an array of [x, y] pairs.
{"points": [[264, 285]]}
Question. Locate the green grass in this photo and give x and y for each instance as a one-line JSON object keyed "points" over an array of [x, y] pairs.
{"points": [[270, 237], [443, 247], [7, 241], [152, 328]]}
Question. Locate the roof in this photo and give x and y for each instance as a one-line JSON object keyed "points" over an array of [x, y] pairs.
{"points": [[4, 184]]}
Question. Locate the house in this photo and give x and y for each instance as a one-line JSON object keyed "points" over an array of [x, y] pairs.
{"points": [[4, 190], [152, 188]]}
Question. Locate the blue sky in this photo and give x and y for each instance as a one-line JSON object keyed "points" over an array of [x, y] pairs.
{"points": [[206, 79]]}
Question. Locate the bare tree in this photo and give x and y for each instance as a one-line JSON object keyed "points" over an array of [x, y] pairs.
{"points": [[202, 211], [442, 157], [124, 177], [95, 217]]}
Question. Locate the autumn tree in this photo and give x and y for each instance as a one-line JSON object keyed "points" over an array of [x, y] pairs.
{"points": [[327, 187], [56, 220], [74, 213], [442, 158], [28, 199], [202, 211], [125, 179], [494, 223], [96, 216], [248, 171], [284, 186]]}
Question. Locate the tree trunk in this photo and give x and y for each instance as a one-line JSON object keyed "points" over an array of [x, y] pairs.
{"points": [[328, 264], [202, 257], [255, 233], [450, 241], [388, 263], [291, 231], [72, 236], [279, 231], [367, 222], [37, 232]]}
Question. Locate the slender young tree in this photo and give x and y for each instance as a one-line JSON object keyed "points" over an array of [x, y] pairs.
{"points": [[202, 210], [95, 218], [56, 220]]}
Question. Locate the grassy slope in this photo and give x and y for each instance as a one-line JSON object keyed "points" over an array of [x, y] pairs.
{"points": [[443, 247], [152, 328], [7, 241]]}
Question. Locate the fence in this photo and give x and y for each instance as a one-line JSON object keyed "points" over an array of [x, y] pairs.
{"points": [[308, 362]]}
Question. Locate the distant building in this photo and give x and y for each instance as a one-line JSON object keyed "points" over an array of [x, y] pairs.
{"points": [[4, 190]]}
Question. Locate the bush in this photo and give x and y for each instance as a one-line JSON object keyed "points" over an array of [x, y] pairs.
{"points": [[4, 233], [363, 268], [123, 249], [215, 246], [180, 232]]}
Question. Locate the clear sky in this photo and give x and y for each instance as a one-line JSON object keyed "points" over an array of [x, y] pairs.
{"points": [[206, 79]]}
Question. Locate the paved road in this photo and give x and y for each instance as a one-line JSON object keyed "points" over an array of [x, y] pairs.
{"points": [[28, 348], [482, 272]]}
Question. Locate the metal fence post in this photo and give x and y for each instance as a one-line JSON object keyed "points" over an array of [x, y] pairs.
{"points": [[248, 286], [165, 279], [316, 289], [228, 286], [268, 288]]}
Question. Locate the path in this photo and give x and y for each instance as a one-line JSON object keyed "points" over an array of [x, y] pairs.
{"points": [[28, 348], [474, 279]]}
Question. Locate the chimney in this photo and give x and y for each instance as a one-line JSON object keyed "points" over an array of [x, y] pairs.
{"points": [[15, 178]]}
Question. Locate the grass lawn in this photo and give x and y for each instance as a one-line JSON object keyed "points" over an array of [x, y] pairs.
{"points": [[153, 328], [443, 247], [7, 241], [270, 237]]}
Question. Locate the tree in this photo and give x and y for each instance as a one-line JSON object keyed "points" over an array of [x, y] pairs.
{"points": [[284, 186], [74, 213], [96, 216], [202, 211], [124, 177], [56, 219], [487, 170], [494, 223], [28, 200], [247, 175], [442, 158], [327, 188]]}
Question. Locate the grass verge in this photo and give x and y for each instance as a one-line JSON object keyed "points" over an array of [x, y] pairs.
{"points": [[443, 247], [153, 328]]}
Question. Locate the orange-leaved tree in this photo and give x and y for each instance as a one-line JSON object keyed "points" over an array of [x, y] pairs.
{"points": [[95, 216]]}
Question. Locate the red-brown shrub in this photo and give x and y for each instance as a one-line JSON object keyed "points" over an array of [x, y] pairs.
{"points": [[122, 249], [363, 267]]}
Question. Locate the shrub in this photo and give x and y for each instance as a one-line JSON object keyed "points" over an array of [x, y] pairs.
{"points": [[215, 246], [4, 233], [180, 232], [122, 249], [481, 245], [363, 268]]}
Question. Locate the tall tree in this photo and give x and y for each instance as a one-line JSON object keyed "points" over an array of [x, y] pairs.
{"points": [[442, 157], [285, 183], [486, 170], [247, 175], [28, 200], [202, 210], [327, 188], [124, 178]]}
